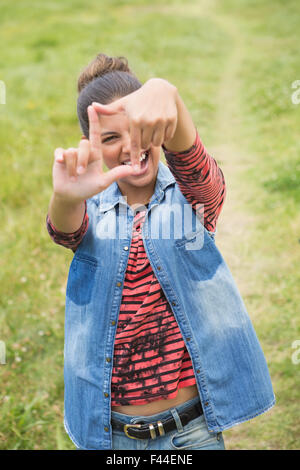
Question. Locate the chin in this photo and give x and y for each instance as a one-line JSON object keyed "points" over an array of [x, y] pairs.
{"points": [[139, 181]]}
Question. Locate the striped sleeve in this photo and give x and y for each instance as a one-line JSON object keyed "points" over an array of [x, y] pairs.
{"points": [[68, 240], [200, 180]]}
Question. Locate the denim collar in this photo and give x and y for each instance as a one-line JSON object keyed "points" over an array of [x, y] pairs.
{"points": [[111, 196]]}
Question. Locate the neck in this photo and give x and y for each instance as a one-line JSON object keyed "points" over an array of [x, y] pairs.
{"points": [[137, 196]]}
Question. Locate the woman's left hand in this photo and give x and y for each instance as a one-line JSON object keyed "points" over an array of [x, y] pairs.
{"points": [[152, 114]]}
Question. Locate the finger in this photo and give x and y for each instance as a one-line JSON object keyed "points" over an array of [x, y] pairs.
{"points": [[115, 107], [83, 156], [94, 135], [170, 131], [158, 136], [71, 163], [135, 146], [59, 155], [146, 137]]}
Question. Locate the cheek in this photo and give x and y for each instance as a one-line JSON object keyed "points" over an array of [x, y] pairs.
{"points": [[110, 159]]}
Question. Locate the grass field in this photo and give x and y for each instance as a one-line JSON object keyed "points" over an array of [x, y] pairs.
{"points": [[234, 64]]}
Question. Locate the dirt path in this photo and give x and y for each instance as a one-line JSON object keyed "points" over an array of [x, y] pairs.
{"points": [[236, 225]]}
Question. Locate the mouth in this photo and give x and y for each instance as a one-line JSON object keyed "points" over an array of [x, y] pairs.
{"points": [[144, 158]]}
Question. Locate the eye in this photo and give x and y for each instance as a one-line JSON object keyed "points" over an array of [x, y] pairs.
{"points": [[109, 138]]}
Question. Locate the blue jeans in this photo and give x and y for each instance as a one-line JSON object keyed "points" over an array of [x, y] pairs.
{"points": [[192, 436]]}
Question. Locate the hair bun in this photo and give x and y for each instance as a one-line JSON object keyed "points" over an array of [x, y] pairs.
{"points": [[101, 65]]}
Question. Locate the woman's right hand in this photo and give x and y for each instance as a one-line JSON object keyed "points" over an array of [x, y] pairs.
{"points": [[78, 172]]}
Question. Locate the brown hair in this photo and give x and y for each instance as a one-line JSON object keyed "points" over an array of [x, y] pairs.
{"points": [[104, 80]]}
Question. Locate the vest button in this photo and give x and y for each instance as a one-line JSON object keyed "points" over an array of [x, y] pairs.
{"points": [[126, 248], [113, 323], [159, 268], [206, 403], [118, 284], [106, 429], [173, 303], [188, 339], [108, 359], [198, 371], [106, 395]]}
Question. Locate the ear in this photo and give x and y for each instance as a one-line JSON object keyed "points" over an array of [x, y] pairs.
{"points": [[115, 107]]}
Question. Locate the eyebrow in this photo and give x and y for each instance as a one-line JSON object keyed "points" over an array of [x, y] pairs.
{"points": [[106, 133]]}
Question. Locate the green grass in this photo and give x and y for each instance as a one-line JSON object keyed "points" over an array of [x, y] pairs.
{"points": [[44, 46]]}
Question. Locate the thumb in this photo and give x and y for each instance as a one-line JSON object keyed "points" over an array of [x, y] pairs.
{"points": [[121, 171], [115, 107]]}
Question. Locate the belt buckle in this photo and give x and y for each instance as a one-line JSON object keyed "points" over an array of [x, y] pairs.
{"points": [[151, 429], [126, 426]]}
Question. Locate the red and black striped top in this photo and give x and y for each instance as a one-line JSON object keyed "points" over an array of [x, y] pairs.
{"points": [[151, 361]]}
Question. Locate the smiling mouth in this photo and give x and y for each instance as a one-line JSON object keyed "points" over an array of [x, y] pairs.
{"points": [[143, 159]]}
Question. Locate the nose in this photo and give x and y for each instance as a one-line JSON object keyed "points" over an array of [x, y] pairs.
{"points": [[126, 143]]}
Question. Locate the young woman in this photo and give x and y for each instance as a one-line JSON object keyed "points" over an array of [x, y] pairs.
{"points": [[160, 352]]}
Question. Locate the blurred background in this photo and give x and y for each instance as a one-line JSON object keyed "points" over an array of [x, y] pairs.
{"points": [[236, 66]]}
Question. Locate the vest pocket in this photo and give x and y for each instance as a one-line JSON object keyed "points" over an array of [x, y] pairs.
{"points": [[194, 239], [81, 279]]}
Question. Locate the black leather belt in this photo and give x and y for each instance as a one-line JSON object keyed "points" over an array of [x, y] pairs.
{"points": [[144, 430]]}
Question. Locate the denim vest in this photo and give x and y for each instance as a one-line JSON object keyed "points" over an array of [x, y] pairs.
{"points": [[230, 369]]}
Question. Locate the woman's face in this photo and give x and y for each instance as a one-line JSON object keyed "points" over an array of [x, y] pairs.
{"points": [[116, 147]]}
